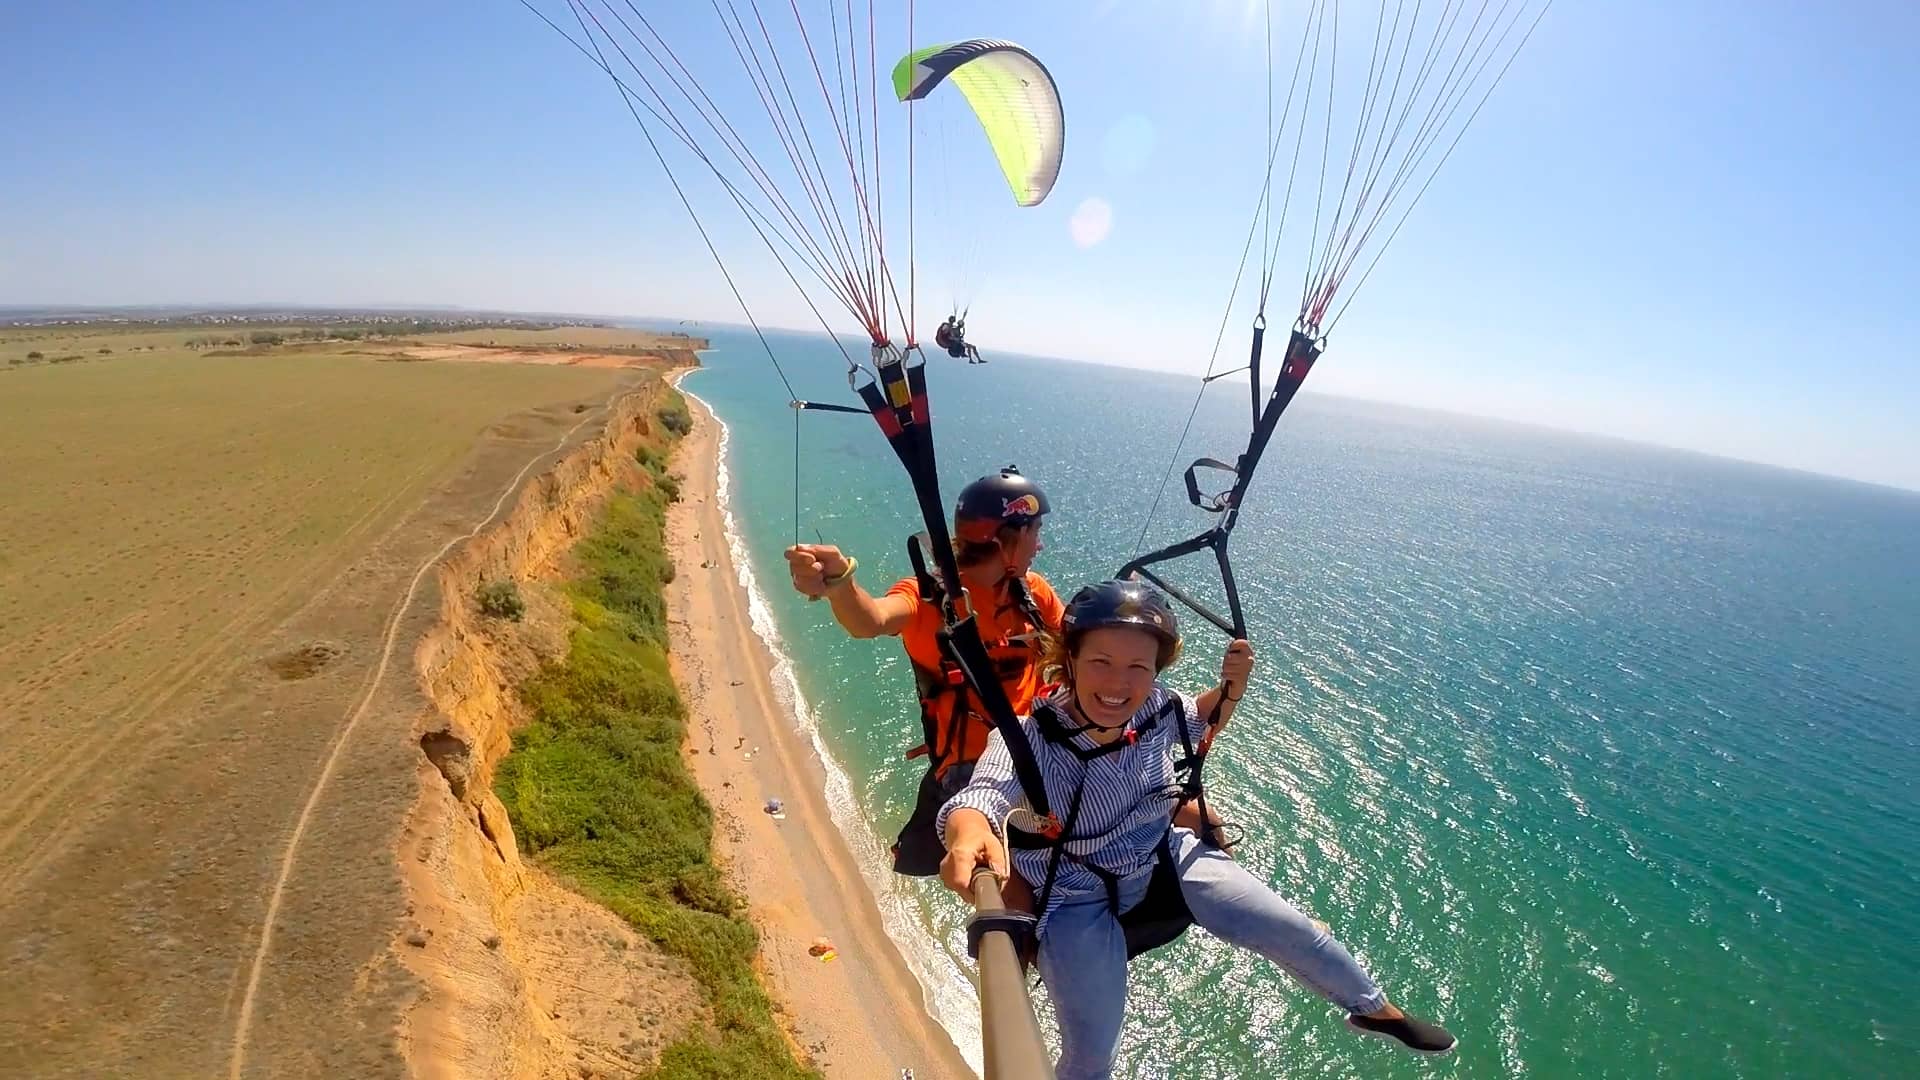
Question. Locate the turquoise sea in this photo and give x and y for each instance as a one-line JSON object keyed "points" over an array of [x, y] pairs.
{"points": [[1607, 756]]}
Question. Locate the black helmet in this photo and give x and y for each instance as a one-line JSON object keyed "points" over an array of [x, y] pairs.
{"points": [[995, 502], [1123, 603]]}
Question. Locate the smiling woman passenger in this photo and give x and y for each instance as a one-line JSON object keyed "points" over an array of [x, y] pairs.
{"points": [[1106, 741]]}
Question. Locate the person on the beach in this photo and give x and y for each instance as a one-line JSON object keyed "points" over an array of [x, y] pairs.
{"points": [[996, 535], [1106, 739]]}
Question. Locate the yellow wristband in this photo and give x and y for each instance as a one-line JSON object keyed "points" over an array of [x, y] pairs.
{"points": [[844, 574]]}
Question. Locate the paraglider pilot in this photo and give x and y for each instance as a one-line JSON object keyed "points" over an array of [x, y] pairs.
{"points": [[952, 336]]}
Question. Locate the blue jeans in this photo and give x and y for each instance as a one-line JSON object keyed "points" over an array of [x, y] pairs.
{"points": [[1083, 955]]}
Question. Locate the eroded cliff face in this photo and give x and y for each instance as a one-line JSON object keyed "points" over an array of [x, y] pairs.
{"points": [[521, 978]]}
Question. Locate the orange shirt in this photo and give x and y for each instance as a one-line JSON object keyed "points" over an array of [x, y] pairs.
{"points": [[1016, 662]]}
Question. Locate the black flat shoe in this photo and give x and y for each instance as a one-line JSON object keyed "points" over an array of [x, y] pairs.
{"points": [[1418, 1036]]}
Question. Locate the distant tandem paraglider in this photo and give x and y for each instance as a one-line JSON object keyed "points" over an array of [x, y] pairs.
{"points": [[1018, 105], [952, 336]]}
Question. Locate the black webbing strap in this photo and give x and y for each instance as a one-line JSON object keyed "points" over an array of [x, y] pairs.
{"points": [[897, 398], [1302, 351]]}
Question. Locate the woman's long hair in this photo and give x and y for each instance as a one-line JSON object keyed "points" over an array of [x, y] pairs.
{"points": [[1054, 668]]}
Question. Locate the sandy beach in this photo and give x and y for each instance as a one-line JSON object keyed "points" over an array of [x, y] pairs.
{"points": [[862, 1013]]}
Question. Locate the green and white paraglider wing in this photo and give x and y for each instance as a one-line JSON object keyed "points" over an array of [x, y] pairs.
{"points": [[1014, 98]]}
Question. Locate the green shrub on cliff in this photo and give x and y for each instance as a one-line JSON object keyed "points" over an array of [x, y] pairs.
{"points": [[599, 791], [674, 415], [501, 600]]}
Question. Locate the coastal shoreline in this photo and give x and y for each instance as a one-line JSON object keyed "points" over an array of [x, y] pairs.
{"points": [[862, 1013]]}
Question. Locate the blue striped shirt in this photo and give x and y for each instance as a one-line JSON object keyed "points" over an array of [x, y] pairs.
{"points": [[1123, 811]]}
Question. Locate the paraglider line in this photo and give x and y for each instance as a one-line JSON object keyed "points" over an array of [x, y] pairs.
{"points": [[1382, 143], [1370, 96], [1261, 211], [755, 216], [764, 177], [856, 117], [697, 224], [1443, 160], [715, 120], [1265, 211], [913, 286], [1447, 102], [1317, 295], [813, 180], [1462, 74], [1326, 136], [879, 198], [734, 288], [851, 272], [860, 277], [877, 329]]}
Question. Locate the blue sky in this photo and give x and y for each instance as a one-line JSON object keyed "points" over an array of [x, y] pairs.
{"points": [[1690, 224]]}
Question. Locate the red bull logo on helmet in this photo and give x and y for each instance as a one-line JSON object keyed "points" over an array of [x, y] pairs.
{"points": [[1024, 506]]}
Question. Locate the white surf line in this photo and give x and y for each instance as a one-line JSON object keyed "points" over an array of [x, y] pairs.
{"points": [[946, 995], [242, 1028]]}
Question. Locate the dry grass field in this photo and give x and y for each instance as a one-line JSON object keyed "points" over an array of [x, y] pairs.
{"points": [[587, 337], [200, 558]]}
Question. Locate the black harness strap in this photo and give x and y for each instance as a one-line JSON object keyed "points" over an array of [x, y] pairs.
{"points": [[1023, 600], [898, 401], [1161, 915], [1193, 788], [935, 686], [897, 398], [1302, 351], [940, 742]]}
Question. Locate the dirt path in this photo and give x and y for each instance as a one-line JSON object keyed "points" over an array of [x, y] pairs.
{"points": [[243, 1025], [217, 895]]}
